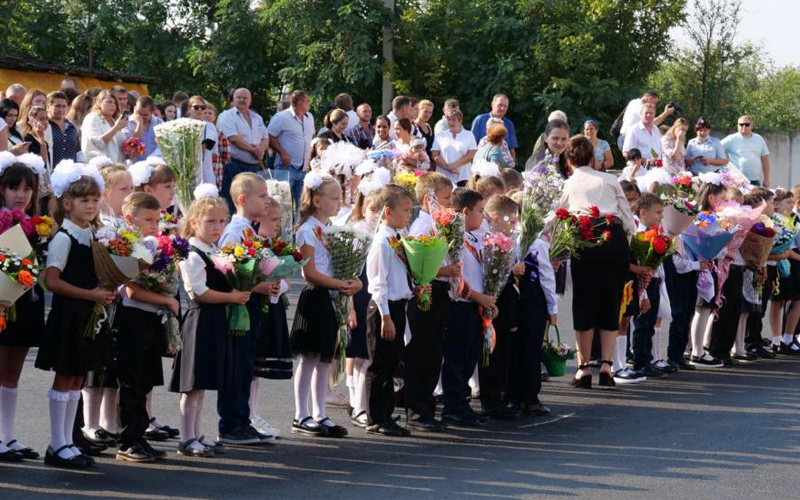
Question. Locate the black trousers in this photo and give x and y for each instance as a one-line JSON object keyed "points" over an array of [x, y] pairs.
{"points": [[462, 350], [139, 349], [384, 357], [422, 356], [525, 351], [682, 291], [723, 333], [645, 327], [493, 377], [755, 321]]}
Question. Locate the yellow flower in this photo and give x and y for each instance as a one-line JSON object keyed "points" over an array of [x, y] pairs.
{"points": [[238, 251], [256, 245]]}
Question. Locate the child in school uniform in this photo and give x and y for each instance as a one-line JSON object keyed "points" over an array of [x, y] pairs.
{"points": [[463, 343], [313, 335], [423, 354], [390, 290], [206, 361], [70, 276], [273, 359], [248, 193], [140, 342], [19, 190]]}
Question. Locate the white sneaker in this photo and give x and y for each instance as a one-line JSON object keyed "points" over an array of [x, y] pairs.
{"points": [[336, 400], [263, 427]]}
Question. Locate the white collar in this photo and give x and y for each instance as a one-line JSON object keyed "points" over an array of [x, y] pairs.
{"points": [[82, 235], [242, 220], [196, 242]]}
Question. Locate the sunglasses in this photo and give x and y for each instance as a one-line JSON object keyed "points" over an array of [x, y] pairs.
{"points": [[199, 107], [745, 124]]}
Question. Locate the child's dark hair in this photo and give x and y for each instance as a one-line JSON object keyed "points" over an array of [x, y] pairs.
{"points": [[647, 201], [466, 198], [85, 186], [762, 193], [706, 191], [13, 177], [392, 194], [634, 154], [629, 187]]}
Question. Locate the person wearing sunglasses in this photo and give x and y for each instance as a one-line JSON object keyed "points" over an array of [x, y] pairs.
{"points": [[196, 109], [704, 153], [748, 151]]}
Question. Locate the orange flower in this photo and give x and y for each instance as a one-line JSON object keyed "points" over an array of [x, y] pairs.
{"points": [[3, 322], [26, 262], [25, 279]]}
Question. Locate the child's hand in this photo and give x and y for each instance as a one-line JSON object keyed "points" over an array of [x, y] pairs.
{"points": [[424, 289], [450, 271], [239, 297], [556, 265], [706, 265], [518, 269], [102, 297], [352, 320], [172, 305], [171, 351], [486, 301], [275, 288], [644, 306], [351, 287], [642, 271], [387, 328], [554, 319]]}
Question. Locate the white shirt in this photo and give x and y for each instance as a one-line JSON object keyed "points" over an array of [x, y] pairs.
{"points": [[352, 120], [588, 187], [424, 224], [207, 174], [632, 115], [59, 247], [684, 263], [94, 126], [547, 276], [193, 269], [386, 273], [626, 172], [232, 122], [639, 138], [453, 148], [471, 268], [306, 236], [233, 231]]}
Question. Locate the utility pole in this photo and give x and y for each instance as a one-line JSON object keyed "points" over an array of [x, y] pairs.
{"points": [[388, 62]]}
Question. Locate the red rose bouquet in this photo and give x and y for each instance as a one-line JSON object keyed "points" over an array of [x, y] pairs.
{"points": [[572, 232]]}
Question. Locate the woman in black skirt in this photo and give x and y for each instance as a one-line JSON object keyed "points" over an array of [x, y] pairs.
{"points": [[598, 274]]}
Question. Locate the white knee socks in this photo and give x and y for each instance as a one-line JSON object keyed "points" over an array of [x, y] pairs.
{"points": [[620, 353], [72, 412], [302, 385], [656, 350], [108, 410], [738, 346], [8, 408], [58, 410], [699, 324], [92, 400], [188, 406], [350, 382], [360, 375], [254, 397], [319, 388], [198, 429]]}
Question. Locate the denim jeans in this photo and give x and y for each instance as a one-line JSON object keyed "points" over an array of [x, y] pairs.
{"points": [[296, 177]]}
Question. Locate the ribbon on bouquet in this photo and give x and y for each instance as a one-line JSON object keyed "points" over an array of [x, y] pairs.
{"points": [[488, 333]]}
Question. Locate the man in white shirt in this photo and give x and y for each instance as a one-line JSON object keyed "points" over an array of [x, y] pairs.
{"points": [[644, 136], [633, 111], [344, 102], [290, 134], [401, 108], [749, 152], [454, 149]]}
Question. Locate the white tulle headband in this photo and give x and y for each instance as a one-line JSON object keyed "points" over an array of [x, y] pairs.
{"points": [[67, 172], [314, 180], [373, 183], [141, 172], [206, 190], [484, 168], [30, 160]]}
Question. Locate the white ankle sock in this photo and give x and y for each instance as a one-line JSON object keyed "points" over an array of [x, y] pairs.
{"points": [[58, 402], [787, 338], [253, 402], [319, 388], [738, 346], [776, 340], [71, 414], [92, 400], [619, 354], [188, 406], [8, 408], [655, 351], [302, 385], [108, 411], [199, 411]]}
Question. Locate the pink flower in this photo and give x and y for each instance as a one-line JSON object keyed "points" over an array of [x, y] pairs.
{"points": [[269, 265], [222, 264], [499, 241]]}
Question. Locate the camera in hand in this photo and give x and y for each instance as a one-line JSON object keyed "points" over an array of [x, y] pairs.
{"points": [[678, 109]]}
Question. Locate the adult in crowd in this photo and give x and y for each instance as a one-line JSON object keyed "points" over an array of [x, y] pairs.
{"points": [[401, 108], [673, 145], [491, 148], [424, 113], [142, 124], [167, 109], [93, 92], [363, 132], [222, 156], [450, 105], [413, 109], [508, 160], [403, 134], [382, 139], [9, 112], [122, 98], [603, 159], [644, 136], [33, 128], [539, 148], [104, 129], [78, 110], [16, 93], [61, 135], [290, 135], [178, 98], [454, 149], [499, 110], [336, 123], [34, 97], [197, 110], [599, 273], [68, 84], [633, 113], [748, 151], [344, 102], [704, 153], [556, 140]]}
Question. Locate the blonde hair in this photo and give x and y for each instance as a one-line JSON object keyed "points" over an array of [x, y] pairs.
{"points": [[27, 103], [273, 203], [98, 103], [485, 185], [431, 182], [161, 175], [307, 208], [243, 184], [112, 174], [25, 126], [139, 201], [362, 203], [735, 194], [679, 122], [85, 186], [501, 205], [425, 104], [199, 208], [334, 117]]}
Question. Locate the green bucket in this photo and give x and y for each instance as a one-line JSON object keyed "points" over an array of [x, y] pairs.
{"points": [[556, 365]]}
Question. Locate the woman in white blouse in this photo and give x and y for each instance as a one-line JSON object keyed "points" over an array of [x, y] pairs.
{"points": [[104, 129], [598, 274]]}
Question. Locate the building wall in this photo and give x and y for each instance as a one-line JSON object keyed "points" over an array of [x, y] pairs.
{"points": [[784, 158], [48, 82]]}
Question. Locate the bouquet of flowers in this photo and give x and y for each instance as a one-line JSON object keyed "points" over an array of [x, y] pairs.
{"points": [[180, 142], [573, 232], [757, 244], [132, 148], [496, 261], [733, 177], [44, 227], [707, 236], [786, 233], [679, 213], [168, 223], [543, 187], [408, 181], [450, 225], [555, 354], [281, 260], [424, 255], [650, 248], [683, 184], [240, 265], [742, 217], [656, 158], [19, 274], [281, 191], [119, 254]]}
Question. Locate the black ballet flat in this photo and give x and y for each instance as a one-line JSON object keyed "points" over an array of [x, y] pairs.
{"points": [[11, 456], [606, 379], [27, 453], [584, 382], [77, 462]]}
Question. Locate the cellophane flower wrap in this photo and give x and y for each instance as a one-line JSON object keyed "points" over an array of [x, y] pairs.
{"points": [[180, 142], [449, 224], [119, 255], [168, 223], [281, 260], [38, 231], [348, 247], [281, 191], [757, 245], [650, 248], [543, 186], [424, 256], [707, 236], [740, 217], [239, 264], [161, 277], [787, 231], [496, 261], [572, 232], [22, 273]]}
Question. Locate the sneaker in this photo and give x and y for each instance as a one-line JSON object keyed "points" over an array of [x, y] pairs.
{"points": [[336, 400], [664, 366], [239, 436], [627, 376], [263, 427], [705, 362], [262, 438], [134, 453]]}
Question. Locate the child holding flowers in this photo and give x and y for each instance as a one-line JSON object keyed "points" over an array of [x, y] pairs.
{"points": [[314, 332], [71, 277], [205, 361], [19, 188]]}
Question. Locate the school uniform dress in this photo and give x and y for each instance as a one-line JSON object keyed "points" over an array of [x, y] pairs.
{"points": [[315, 325], [390, 289], [65, 349], [208, 359], [273, 356], [27, 329], [599, 273], [423, 353]]}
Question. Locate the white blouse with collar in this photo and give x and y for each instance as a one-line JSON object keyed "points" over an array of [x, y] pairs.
{"points": [[59, 247], [193, 269]]}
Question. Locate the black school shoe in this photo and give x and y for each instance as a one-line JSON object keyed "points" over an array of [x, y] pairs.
{"points": [[334, 431], [27, 453], [134, 453], [77, 462], [761, 352], [157, 454], [461, 419], [87, 447], [302, 427], [792, 349], [389, 429], [651, 372], [681, 364], [156, 434], [11, 456], [425, 424], [536, 409], [101, 437]]}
